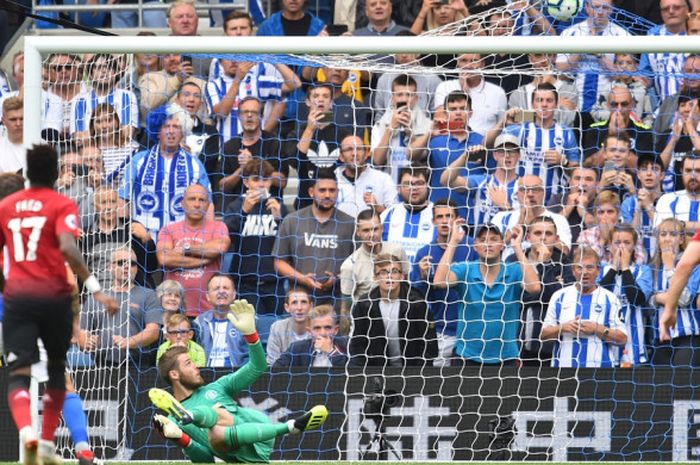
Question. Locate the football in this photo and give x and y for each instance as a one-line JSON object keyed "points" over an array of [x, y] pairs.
{"points": [[564, 10]]}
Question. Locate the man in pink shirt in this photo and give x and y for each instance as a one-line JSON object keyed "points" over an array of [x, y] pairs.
{"points": [[190, 250]]}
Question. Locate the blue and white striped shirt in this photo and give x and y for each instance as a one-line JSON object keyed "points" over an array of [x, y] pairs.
{"points": [[263, 81], [581, 350], [633, 315], [688, 316], [590, 82], [123, 101], [534, 142], [666, 67], [645, 229], [677, 205], [411, 230], [482, 208]]}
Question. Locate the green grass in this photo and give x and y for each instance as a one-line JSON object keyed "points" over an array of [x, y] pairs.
{"points": [[378, 463]]}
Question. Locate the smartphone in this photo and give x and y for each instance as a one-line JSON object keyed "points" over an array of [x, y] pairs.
{"points": [[186, 59], [80, 170], [264, 194], [444, 2], [401, 106], [322, 279], [326, 117], [525, 116], [336, 29], [477, 156], [609, 166]]}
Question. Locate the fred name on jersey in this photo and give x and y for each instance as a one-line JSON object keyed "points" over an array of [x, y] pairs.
{"points": [[28, 205]]}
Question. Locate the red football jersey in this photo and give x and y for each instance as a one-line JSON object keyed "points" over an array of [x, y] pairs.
{"points": [[696, 237], [31, 221]]}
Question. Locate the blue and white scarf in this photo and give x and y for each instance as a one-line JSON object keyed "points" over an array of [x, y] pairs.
{"points": [[157, 201]]}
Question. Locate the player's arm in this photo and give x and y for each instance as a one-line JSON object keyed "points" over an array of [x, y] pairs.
{"points": [[688, 261], [71, 254], [242, 316], [195, 451]]}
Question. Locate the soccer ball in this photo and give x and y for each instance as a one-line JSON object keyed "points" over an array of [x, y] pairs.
{"points": [[564, 10]]}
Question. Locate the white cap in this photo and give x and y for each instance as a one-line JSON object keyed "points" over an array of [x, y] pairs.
{"points": [[504, 139]]}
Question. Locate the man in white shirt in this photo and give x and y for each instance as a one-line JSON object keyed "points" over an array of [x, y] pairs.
{"points": [[488, 101], [12, 153], [360, 186], [591, 83], [393, 132], [585, 319], [356, 272]]}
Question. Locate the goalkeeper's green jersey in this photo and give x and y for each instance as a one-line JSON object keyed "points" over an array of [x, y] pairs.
{"points": [[222, 392]]}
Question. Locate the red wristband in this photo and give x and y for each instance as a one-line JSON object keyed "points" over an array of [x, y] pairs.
{"points": [[252, 338], [184, 440]]}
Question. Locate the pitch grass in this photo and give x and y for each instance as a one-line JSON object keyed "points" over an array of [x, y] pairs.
{"points": [[378, 463]]}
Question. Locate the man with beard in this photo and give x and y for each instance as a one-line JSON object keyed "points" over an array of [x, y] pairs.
{"points": [[409, 223], [209, 424], [690, 87], [313, 242], [683, 205]]}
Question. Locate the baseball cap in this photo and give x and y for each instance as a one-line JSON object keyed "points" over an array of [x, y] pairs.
{"points": [[505, 139]]}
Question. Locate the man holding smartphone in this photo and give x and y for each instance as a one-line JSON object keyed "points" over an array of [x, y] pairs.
{"points": [[394, 131], [549, 148]]}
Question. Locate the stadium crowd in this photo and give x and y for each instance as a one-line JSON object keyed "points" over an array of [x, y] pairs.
{"points": [[464, 218]]}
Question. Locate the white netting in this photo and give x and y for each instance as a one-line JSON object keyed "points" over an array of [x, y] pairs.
{"points": [[402, 388]]}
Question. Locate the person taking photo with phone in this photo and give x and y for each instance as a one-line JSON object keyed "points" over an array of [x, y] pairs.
{"points": [[549, 149]]}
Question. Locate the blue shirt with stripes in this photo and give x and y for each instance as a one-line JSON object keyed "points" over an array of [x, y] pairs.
{"points": [[123, 101], [688, 316], [534, 142], [263, 82], [581, 350], [412, 229], [667, 68], [645, 229], [633, 315]]}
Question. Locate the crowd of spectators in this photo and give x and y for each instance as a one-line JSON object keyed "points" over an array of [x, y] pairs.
{"points": [[461, 218]]}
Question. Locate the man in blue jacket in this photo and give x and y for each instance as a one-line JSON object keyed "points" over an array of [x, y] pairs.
{"points": [[324, 349], [223, 344]]}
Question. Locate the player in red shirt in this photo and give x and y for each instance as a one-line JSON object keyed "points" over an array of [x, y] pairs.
{"points": [[39, 227], [689, 260]]}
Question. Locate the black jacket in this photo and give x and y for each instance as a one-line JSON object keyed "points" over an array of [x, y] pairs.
{"points": [[554, 275], [417, 338], [301, 354]]}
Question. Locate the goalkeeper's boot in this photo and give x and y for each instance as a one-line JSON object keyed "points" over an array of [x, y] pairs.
{"points": [[30, 444], [47, 453], [85, 457], [312, 419], [166, 402]]}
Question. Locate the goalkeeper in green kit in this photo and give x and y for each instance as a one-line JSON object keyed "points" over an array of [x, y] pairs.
{"points": [[205, 421]]}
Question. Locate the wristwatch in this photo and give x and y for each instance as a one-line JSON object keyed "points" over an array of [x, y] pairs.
{"points": [[606, 332]]}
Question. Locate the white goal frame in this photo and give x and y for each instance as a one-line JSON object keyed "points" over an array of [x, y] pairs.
{"points": [[36, 47]]}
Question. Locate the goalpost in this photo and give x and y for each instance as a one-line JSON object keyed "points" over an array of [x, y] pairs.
{"points": [[440, 413]]}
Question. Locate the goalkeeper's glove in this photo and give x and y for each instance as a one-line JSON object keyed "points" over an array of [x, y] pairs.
{"points": [[242, 316], [169, 430]]}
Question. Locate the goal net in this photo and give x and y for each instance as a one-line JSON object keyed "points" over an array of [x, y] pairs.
{"points": [[507, 163]]}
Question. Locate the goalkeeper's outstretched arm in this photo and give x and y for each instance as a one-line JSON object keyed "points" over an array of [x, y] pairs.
{"points": [[242, 316], [689, 260]]}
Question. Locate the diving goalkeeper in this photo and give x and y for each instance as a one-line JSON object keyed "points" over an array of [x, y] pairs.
{"points": [[205, 421]]}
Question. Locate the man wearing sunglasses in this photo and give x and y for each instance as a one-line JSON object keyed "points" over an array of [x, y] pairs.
{"points": [[135, 327]]}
